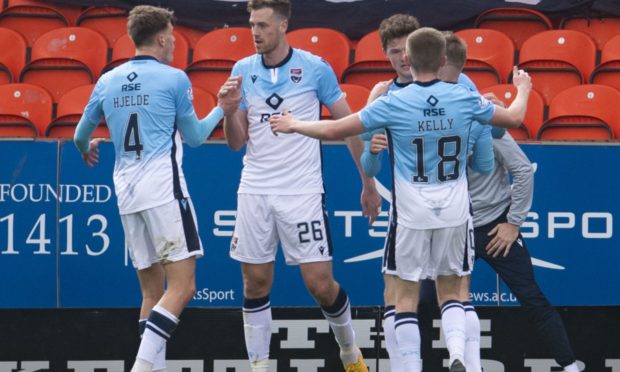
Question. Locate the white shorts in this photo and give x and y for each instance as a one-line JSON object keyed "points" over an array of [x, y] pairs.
{"points": [[299, 222], [162, 234], [425, 254]]}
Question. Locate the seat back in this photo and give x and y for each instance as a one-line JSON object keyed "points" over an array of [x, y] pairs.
{"points": [[204, 102], [599, 29], [608, 72], [78, 43], [534, 116], [231, 43], [191, 34], [27, 101], [491, 47], [611, 50], [69, 111], [518, 23], [369, 48], [575, 128], [356, 96], [111, 22], [12, 53], [209, 74], [331, 45], [70, 12], [32, 21], [588, 100]]}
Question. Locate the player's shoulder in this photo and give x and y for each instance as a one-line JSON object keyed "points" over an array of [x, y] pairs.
{"points": [[308, 59], [246, 62]]}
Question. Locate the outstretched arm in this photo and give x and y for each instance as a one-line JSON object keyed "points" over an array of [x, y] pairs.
{"points": [[350, 125]]}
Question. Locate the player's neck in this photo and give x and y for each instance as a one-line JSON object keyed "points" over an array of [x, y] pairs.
{"points": [[277, 55], [148, 52], [425, 77]]}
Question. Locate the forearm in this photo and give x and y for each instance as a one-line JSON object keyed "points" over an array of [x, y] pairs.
{"points": [[521, 195], [371, 163], [518, 107], [236, 130], [83, 131], [356, 148], [195, 131]]}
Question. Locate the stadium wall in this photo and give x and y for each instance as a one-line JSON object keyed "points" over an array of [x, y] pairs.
{"points": [[69, 295]]}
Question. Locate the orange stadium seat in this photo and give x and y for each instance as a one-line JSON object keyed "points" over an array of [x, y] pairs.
{"points": [[534, 116], [111, 22], [12, 55], [70, 12], [518, 23], [331, 45], [66, 58], [584, 112], [204, 102], [608, 72], [356, 96], [490, 56], [370, 65], [216, 53], [557, 60], [600, 30], [25, 110], [191, 34], [32, 21], [69, 111]]}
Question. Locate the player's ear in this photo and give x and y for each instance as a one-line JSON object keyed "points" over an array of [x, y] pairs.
{"points": [[444, 60], [284, 25]]}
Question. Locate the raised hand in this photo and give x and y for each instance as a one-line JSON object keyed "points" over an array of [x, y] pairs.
{"points": [[521, 79], [378, 143], [229, 95], [379, 89]]}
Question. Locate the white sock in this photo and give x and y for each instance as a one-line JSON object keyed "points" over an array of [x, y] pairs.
{"points": [[472, 339], [257, 327], [396, 364], [141, 366], [159, 327], [160, 359], [339, 317], [453, 325], [260, 366], [408, 338], [571, 367]]}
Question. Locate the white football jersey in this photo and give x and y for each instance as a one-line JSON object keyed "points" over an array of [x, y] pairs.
{"points": [[286, 164]]}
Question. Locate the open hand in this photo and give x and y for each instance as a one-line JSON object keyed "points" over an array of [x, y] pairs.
{"points": [[91, 158], [505, 235]]}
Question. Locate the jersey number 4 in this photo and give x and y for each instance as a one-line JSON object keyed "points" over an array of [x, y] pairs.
{"points": [[132, 136], [446, 159]]}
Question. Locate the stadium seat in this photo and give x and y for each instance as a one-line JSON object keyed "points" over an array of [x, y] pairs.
{"points": [[32, 21], [608, 71], [12, 55], [490, 56], [370, 65], [557, 60], [216, 53], [600, 30], [356, 96], [518, 23], [70, 12], [25, 110], [534, 116], [331, 45], [191, 34], [111, 22], [124, 49], [65, 58], [584, 112], [69, 111]]}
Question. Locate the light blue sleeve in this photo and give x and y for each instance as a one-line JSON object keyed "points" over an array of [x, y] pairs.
{"points": [[483, 157], [466, 81], [195, 131], [93, 113], [376, 114], [183, 97], [328, 89], [483, 109], [238, 71], [371, 163]]}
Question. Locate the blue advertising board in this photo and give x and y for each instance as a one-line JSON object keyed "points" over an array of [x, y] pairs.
{"points": [[569, 232]]}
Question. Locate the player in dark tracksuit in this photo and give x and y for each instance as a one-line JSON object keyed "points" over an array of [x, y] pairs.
{"points": [[499, 211]]}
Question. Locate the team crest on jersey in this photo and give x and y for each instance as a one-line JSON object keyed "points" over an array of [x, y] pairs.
{"points": [[296, 75]]}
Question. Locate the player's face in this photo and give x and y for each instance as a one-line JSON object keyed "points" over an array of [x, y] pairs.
{"points": [[167, 41], [268, 30], [395, 52]]}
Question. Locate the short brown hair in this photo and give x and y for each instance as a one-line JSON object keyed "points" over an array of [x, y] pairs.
{"points": [[146, 21], [425, 48], [456, 50], [397, 26], [280, 7]]}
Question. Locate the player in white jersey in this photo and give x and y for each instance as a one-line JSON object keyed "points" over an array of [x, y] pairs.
{"points": [[146, 104], [428, 124], [280, 196]]}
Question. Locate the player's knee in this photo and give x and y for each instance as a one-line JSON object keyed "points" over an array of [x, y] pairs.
{"points": [[323, 291], [256, 287]]}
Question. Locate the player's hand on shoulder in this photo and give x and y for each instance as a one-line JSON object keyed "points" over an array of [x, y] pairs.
{"points": [[378, 143], [493, 98], [229, 95], [521, 79], [91, 158], [379, 89], [282, 123]]}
